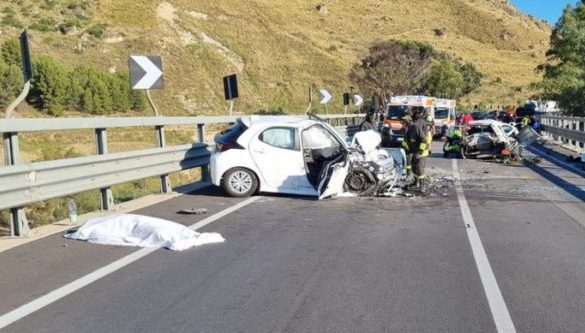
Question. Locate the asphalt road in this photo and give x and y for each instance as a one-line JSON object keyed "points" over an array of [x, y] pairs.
{"points": [[294, 264]]}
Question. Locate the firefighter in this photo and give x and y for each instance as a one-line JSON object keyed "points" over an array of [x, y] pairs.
{"points": [[407, 121], [417, 139], [452, 143]]}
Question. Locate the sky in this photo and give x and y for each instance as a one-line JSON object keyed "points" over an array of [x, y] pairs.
{"points": [[549, 10]]}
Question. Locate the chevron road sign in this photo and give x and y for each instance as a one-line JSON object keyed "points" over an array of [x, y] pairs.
{"points": [[145, 72], [324, 96]]}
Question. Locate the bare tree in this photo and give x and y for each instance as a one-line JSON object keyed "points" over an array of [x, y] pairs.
{"points": [[392, 68]]}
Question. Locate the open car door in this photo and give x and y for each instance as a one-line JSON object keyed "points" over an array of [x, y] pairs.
{"points": [[332, 177]]}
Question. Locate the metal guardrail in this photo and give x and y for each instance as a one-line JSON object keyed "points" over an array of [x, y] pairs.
{"points": [[22, 184], [565, 130], [26, 183]]}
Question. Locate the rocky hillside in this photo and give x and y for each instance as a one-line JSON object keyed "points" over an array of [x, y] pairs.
{"points": [[278, 48]]}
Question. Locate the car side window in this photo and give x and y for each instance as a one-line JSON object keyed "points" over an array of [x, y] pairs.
{"points": [[279, 137]]}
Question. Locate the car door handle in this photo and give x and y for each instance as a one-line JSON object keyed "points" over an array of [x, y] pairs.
{"points": [[260, 151]]}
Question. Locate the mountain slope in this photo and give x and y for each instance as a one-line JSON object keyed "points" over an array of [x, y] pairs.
{"points": [[278, 48]]}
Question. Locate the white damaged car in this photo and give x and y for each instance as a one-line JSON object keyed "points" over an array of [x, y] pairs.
{"points": [[297, 155]]}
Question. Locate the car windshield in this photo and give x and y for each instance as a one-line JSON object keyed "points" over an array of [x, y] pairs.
{"points": [[231, 135], [396, 111], [441, 113]]}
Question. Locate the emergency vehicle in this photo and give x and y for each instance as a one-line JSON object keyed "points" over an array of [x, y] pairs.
{"points": [[443, 115], [394, 127]]}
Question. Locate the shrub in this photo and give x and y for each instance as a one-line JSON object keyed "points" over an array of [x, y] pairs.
{"points": [[11, 52], [44, 24], [11, 83], [97, 30], [49, 91]]}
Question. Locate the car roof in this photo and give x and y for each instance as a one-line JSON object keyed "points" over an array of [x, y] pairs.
{"points": [[485, 122], [294, 121]]}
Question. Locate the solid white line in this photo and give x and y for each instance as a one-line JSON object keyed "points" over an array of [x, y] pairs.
{"points": [[492, 291], [71, 287]]}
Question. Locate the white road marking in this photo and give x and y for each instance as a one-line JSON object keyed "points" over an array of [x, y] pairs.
{"points": [[84, 281], [492, 291]]}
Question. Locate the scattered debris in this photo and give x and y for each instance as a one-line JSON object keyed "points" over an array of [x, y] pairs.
{"points": [[193, 211]]}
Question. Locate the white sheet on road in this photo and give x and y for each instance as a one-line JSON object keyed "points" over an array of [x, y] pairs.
{"points": [[143, 231]]}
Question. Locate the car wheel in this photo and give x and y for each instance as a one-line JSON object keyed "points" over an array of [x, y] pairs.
{"points": [[239, 182]]}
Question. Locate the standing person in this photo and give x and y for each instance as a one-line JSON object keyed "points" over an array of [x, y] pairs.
{"points": [[369, 122], [466, 119], [407, 121], [416, 138]]}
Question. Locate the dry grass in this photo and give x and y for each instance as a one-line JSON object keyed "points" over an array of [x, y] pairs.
{"points": [[285, 46]]}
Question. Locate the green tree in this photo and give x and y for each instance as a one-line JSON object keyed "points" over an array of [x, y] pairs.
{"points": [[444, 80], [120, 92], [50, 85], [11, 52], [564, 69], [11, 83], [392, 68]]}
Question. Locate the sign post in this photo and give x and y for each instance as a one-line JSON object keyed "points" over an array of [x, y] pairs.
{"points": [[146, 73], [345, 102], [230, 89], [18, 221], [324, 98], [310, 100]]}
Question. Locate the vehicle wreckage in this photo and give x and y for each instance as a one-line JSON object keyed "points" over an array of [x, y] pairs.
{"points": [[296, 155], [488, 139], [365, 169]]}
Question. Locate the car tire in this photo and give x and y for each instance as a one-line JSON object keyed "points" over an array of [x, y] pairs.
{"points": [[239, 182]]}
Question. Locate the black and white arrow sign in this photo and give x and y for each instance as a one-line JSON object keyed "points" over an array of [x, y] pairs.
{"points": [[358, 100], [324, 96], [145, 72]]}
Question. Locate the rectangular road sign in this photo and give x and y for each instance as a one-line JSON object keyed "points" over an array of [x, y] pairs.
{"points": [[230, 87], [145, 72]]}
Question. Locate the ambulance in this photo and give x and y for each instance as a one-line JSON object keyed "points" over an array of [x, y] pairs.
{"points": [[394, 127], [443, 115]]}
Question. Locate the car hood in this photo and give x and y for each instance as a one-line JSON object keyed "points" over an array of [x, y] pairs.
{"points": [[368, 141]]}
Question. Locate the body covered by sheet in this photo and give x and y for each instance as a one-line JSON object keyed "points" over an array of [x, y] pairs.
{"points": [[143, 231]]}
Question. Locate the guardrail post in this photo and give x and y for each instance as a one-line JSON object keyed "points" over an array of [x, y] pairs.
{"points": [[106, 196], [561, 125], [204, 169], [165, 181], [575, 144], [582, 129], [18, 221]]}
